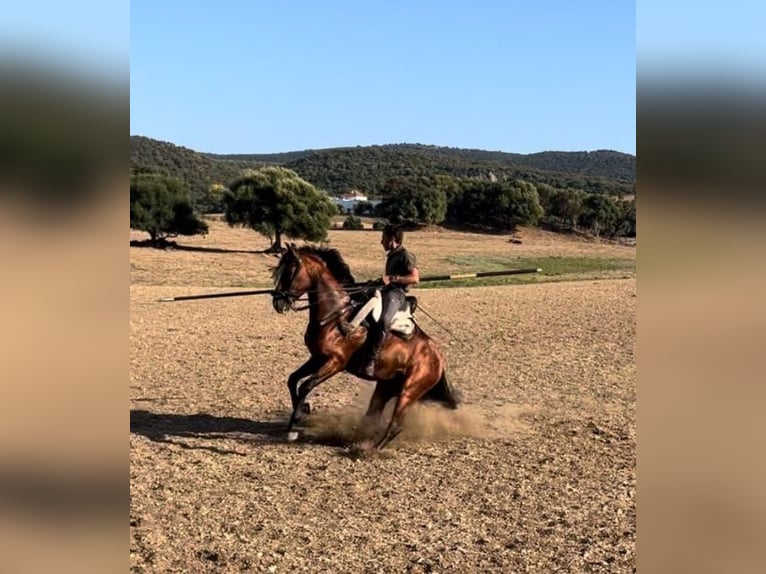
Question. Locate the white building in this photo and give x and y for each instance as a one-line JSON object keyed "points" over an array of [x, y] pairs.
{"points": [[348, 201]]}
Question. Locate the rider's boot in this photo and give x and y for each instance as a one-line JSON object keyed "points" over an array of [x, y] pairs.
{"points": [[377, 340]]}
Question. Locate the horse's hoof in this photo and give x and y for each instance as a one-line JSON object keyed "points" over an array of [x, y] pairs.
{"points": [[306, 408], [292, 436], [366, 446]]}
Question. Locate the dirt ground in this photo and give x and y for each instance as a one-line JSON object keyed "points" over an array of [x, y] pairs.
{"points": [[534, 473]]}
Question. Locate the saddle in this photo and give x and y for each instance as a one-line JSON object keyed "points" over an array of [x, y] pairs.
{"points": [[403, 323]]}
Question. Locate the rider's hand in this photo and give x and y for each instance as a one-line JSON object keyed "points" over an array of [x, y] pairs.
{"points": [[386, 279]]}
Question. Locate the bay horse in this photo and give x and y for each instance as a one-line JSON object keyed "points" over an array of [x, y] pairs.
{"points": [[409, 370]]}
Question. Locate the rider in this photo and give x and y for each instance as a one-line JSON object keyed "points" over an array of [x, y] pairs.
{"points": [[400, 273]]}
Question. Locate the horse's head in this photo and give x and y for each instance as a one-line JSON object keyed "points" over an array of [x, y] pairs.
{"points": [[291, 280]]}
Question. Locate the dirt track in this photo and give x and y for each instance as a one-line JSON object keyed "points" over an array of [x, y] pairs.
{"points": [[536, 473]]}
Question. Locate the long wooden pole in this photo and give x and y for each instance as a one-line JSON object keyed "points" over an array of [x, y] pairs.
{"points": [[422, 280], [479, 274], [216, 295]]}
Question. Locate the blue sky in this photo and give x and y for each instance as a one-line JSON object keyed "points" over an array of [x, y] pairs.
{"points": [[272, 76]]}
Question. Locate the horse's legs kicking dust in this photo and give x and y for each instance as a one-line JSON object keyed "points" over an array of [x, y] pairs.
{"points": [[309, 367], [384, 392], [332, 367], [415, 386]]}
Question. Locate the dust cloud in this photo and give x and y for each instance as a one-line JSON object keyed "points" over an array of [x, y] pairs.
{"points": [[423, 422]]}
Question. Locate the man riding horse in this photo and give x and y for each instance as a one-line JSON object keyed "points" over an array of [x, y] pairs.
{"points": [[400, 273], [409, 369]]}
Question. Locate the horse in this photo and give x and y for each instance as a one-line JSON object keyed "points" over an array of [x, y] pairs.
{"points": [[410, 369]]}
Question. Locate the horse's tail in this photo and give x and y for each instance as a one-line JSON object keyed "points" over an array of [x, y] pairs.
{"points": [[443, 392]]}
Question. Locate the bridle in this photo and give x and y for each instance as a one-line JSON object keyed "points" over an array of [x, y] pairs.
{"points": [[291, 297]]}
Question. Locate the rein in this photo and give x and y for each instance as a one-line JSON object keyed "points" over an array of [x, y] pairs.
{"points": [[335, 312]]}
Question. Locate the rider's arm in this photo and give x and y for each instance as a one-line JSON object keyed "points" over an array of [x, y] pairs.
{"points": [[411, 278]]}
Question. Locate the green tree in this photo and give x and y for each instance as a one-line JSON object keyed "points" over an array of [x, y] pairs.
{"points": [[469, 204], [599, 213], [276, 202], [353, 222], [515, 203], [364, 208], [545, 192], [566, 205], [495, 205], [414, 200], [212, 201], [626, 222], [160, 206]]}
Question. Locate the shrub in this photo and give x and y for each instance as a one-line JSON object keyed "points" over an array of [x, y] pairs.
{"points": [[353, 222]]}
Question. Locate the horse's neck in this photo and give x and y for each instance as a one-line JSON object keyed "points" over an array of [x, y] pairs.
{"points": [[326, 298]]}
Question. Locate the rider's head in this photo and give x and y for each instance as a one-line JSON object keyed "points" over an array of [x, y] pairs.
{"points": [[392, 237]]}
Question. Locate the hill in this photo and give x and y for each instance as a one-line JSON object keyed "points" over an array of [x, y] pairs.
{"points": [[601, 163], [198, 170], [368, 167]]}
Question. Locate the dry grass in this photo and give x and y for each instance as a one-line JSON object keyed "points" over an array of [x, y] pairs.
{"points": [[229, 257], [535, 473]]}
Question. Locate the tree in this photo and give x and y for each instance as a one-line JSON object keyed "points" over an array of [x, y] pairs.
{"points": [[626, 222], [414, 200], [599, 213], [545, 192], [212, 201], [566, 205], [276, 202], [364, 208], [515, 203], [353, 222], [498, 205], [160, 205]]}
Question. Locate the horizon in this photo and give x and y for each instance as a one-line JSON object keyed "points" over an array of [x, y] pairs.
{"points": [[496, 76], [381, 145]]}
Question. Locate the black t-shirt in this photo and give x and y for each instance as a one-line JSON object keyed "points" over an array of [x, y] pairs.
{"points": [[399, 261]]}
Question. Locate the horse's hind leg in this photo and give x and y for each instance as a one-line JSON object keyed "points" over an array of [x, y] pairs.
{"points": [[415, 386], [384, 392], [395, 426]]}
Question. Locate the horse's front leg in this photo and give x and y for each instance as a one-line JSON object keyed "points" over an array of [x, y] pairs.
{"points": [[332, 367], [308, 368]]}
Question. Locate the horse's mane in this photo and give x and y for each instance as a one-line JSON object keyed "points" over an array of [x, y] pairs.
{"points": [[331, 257], [333, 260]]}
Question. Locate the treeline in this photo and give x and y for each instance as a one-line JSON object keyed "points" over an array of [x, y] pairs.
{"points": [[499, 206], [370, 168], [606, 164], [277, 202]]}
